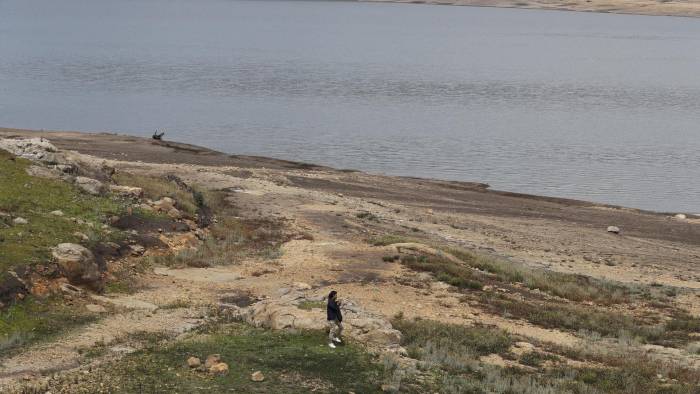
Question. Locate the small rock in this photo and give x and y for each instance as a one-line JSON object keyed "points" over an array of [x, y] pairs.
{"points": [[94, 308], [137, 250], [57, 213], [194, 362], [20, 221], [681, 216], [257, 376], [212, 360], [219, 369], [614, 229], [70, 289]]}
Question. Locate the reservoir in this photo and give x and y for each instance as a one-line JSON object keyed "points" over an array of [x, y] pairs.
{"points": [[589, 106]]}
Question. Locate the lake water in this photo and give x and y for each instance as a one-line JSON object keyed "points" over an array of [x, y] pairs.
{"points": [[590, 106]]}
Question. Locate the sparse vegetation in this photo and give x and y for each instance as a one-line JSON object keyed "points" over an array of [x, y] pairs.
{"points": [[368, 216], [572, 287], [444, 270], [229, 242], [386, 240], [156, 188], [674, 332], [422, 336], [450, 355], [536, 359]]}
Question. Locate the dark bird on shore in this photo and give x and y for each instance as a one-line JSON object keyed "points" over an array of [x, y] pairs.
{"points": [[157, 136]]}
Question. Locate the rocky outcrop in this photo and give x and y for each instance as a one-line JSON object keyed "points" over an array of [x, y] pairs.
{"points": [[77, 263], [284, 313], [35, 149]]}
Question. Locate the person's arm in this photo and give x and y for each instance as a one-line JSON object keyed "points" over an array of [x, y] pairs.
{"points": [[340, 314]]}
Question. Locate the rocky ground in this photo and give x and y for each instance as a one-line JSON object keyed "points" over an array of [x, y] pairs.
{"points": [[396, 249]]}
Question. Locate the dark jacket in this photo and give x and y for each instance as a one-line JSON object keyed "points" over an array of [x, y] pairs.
{"points": [[333, 311]]}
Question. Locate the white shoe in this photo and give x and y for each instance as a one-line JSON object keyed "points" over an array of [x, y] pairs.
{"points": [[331, 345], [337, 340]]}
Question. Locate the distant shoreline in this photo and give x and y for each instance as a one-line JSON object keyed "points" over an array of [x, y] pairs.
{"points": [[690, 9]]}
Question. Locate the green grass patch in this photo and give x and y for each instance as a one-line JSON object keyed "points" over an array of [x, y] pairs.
{"points": [[386, 240], [291, 362], [33, 199], [33, 320], [309, 305]]}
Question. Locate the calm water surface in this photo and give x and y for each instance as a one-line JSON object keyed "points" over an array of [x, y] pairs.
{"points": [[589, 106]]}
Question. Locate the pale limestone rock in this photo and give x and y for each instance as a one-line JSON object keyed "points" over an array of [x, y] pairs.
{"points": [[76, 262], [257, 376]]}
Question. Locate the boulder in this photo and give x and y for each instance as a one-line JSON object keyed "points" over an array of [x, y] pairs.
{"points": [[56, 213], [20, 221], [212, 360], [219, 369], [77, 263], [614, 229], [681, 216], [90, 186], [257, 376], [126, 191], [194, 362], [35, 149]]}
